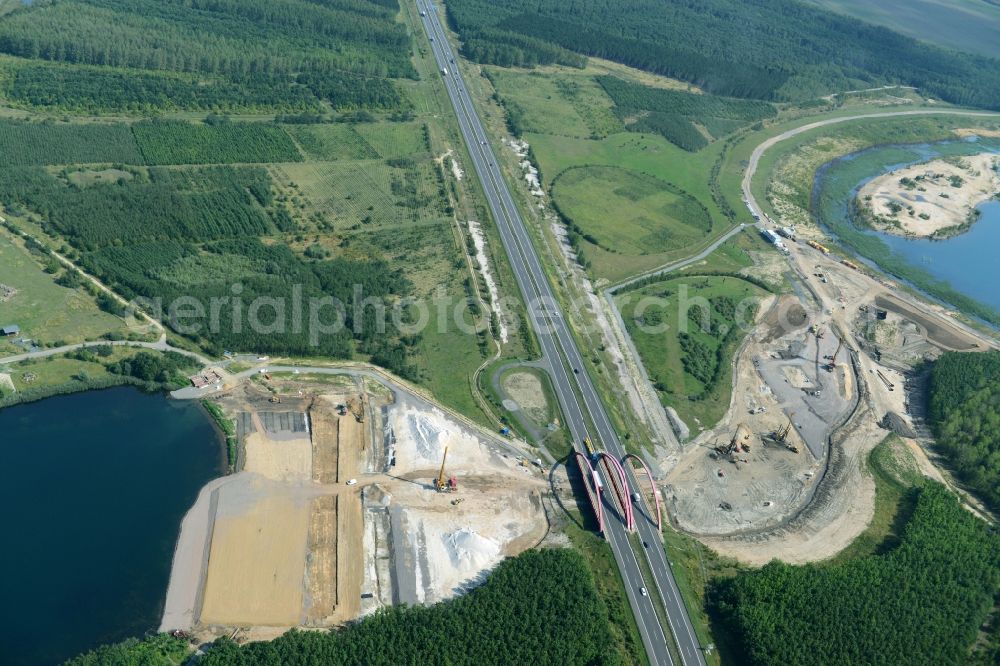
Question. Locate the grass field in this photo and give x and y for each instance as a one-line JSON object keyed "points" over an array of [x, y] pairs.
{"points": [[965, 25], [647, 154], [570, 120], [337, 141], [45, 311], [395, 140], [628, 212], [693, 377], [557, 101]]}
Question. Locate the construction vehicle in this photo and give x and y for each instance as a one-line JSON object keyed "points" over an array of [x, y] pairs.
{"points": [[357, 408], [737, 443], [822, 248], [780, 436], [450, 484], [832, 365]]}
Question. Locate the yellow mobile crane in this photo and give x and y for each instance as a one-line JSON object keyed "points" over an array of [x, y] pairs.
{"points": [[446, 485]]}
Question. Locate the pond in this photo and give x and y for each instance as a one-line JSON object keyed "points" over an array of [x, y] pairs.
{"points": [[961, 270], [93, 488]]}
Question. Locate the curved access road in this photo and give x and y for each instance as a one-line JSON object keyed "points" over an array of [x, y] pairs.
{"points": [[791, 258], [760, 149], [160, 345]]}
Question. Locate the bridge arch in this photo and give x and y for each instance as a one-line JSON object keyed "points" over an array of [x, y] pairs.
{"points": [[652, 485], [620, 482], [593, 485]]}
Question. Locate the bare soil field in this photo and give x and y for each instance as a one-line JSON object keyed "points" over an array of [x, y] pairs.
{"points": [[525, 388], [257, 560], [924, 199], [289, 542]]}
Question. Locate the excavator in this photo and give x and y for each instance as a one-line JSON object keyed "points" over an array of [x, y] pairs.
{"points": [[780, 436], [832, 365], [737, 443], [357, 408]]}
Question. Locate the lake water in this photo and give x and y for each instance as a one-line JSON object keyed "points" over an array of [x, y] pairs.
{"points": [[962, 270], [968, 261], [93, 488]]}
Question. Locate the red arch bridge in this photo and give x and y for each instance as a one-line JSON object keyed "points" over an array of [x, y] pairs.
{"points": [[620, 497]]}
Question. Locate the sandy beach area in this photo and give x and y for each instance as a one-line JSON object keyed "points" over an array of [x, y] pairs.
{"points": [[931, 199]]}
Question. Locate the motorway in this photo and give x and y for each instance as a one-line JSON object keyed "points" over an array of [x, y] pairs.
{"points": [[579, 400]]}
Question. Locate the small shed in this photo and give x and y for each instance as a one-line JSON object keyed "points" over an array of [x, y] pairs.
{"points": [[13, 329]]}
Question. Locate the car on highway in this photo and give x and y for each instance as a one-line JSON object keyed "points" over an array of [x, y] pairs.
{"points": [[645, 544], [644, 592]]}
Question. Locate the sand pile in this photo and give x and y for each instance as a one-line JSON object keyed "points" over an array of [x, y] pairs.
{"points": [[420, 436], [428, 435], [469, 551]]}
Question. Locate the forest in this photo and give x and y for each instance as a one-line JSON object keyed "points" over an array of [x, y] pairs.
{"points": [[922, 602], [152, 142], [964, 411], [219, 54], [219, 141], [85, 88], [673, 113], [166, 233], [765, 49], [156, 204], [540, 607]]}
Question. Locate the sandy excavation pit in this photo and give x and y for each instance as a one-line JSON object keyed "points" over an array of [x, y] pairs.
{"points": [[287, 542], [441, 543], [709, 493]]}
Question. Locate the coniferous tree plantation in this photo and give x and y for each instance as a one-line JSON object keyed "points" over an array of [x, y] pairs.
{"points": [[921, 603], [540, 607], [763, 49], [104, 55], [964, 411]]}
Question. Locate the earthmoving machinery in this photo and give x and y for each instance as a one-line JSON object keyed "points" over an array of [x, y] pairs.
{"points": [[832, 365], [738, 443], [780, 436], [450, 484], [357, 408]]}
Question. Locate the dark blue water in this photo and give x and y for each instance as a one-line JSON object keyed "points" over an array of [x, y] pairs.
{"points": [[93, 487]]}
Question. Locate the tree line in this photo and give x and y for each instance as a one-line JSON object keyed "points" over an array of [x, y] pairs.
{"points": [[540, 607], [964, 411], [764, 49], [921, 603]]}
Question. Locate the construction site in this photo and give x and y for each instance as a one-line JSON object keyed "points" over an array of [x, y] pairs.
{"points": [[349, 495], [826, 373]]}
